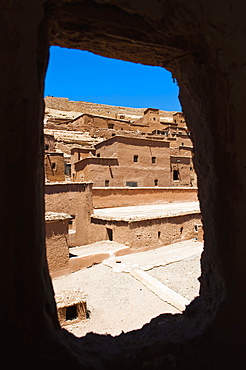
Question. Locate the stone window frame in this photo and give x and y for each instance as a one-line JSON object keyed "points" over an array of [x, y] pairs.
{"points": [[188, 57]]}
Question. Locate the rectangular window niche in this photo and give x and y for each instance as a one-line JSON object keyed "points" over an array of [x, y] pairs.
{"points": [[71, 306]]}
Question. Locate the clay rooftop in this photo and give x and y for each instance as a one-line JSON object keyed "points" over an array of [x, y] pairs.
{"points": [[146, 212]]}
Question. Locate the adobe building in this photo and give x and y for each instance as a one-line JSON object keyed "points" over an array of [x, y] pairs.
{"points": [[179, 119], [149, 121], [54, 166], [203, 45], [49, 143], [106, 126], [57, 243], [76, 200], [86, 122], [145, 232], [123, 161]]}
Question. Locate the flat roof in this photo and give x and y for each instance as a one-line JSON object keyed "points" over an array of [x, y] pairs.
{"points": [[146, 212]]}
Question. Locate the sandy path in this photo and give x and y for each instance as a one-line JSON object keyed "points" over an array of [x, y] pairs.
{"points": [[118, 302]]}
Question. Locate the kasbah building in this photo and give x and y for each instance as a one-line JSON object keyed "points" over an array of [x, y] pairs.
{"points": [[100, 159]]}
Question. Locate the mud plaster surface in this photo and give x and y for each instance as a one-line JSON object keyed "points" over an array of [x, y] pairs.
{"points": [[117, 302]]}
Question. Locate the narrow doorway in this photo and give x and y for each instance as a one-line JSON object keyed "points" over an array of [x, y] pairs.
{"points": [[109, 234]]}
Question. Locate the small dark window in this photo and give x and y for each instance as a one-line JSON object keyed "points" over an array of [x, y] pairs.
{"points": [[181, 230], [191, 168], [135, 158], [106, 182], [159, 234], [153, 118], [67, 169], [53, 165], [196, 228], [46, 147], [156, 182], [175, 175], [153, 159], [133, 184], [110, 125], [98, 155], [71, 221], [110, 234], [71, 312]]}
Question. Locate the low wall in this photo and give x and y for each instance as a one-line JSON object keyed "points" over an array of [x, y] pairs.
{"points": [[146, 234], [124, 196]]}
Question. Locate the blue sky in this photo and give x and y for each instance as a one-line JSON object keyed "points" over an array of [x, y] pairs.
{"points": [[80, 75]]}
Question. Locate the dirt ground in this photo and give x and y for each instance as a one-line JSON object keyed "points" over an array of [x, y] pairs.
{"points": [[118, 302]]}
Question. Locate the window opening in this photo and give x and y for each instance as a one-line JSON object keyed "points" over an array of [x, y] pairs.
{"points": [[132, 184], [53, 165], [71, 224], [154, 235], [67, 169], [175, 175]]}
